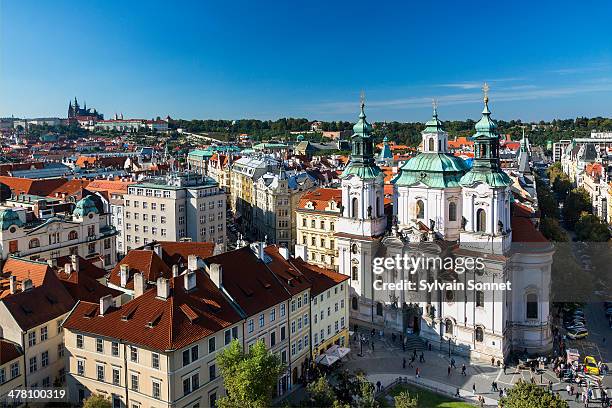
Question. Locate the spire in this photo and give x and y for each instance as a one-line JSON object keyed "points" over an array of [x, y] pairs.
{"points": [[362, 127], [434, 125], [486, 126], [485, 91]]}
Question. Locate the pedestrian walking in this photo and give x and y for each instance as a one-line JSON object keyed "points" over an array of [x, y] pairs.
{"points": [[568, 389], [404, 363], [457, 393], [448, 371], [474, 388], [372, 344], [378, 385], [418, 372], [504, 368], [422, 358], [410, 362], [492, 361], [577, 397], [453, 363], [501, 393], [463, 369], [493, 386]]}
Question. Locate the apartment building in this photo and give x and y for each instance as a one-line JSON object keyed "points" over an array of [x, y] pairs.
{"points": [[158, 350], [40, 233], [276, 198], [114, 191], [329, 306], [177, 207], [263, 302], [244, 174], [219, 169], [316, 217], [36, 297], [11, 371]]}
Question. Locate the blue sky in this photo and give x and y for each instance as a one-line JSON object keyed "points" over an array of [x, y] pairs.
{"points": [[270, 59]]}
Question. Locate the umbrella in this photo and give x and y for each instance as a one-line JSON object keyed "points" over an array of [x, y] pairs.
{"points": [[326, 359], [338, 351]]}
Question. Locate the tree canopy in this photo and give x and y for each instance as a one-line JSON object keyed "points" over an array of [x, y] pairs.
{"points": [[249, 377], [97, 401], [527, 395]]}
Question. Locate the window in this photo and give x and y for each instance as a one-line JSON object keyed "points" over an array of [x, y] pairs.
{"points": [[44, 358], [60, 350], [44, 334], [305, 319], [452, 211], [155, 360], [156, 389], [32, 339], [479, 298], [420, 209], [115, 349], [81, 367], [251, 326], [282, 333], [448, 327], [14, 370], [212, 372], [227, 337], [481, 220], [34, 243], [354, 273], [33, 364], [261, 320], [273, 315], [79, 341], [134, 383], [99, 346], [234, 332], [479, 334], [532, 306], [100, 372], [272, 338], [282, 310], [116, 376], [379, 309], [134, 354], [212, 344], [354, 207], [293, 327]]}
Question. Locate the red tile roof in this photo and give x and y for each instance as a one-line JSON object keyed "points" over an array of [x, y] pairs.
{"points": [[160, 324], [290, 277], [321, 198], [112, 186], [140, 260], [248, 280], [523, 230], [42, 187], [321, 279], [177, 253], [83, 284], [70, 188], [9, 351]]}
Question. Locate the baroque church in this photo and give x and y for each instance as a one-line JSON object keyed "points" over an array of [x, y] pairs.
{"points": [[444, 209]]}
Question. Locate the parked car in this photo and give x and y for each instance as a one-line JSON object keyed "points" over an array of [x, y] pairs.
{"points": [[590, 366]]}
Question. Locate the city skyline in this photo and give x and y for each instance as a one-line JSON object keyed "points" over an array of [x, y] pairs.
{"points": [[202, 61]]}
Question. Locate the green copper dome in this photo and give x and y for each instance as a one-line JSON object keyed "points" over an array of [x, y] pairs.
{"points": [[85, 206], [436, 170], [362, 127], [8, 218], [434, 125], [486, 126], [361, 163]]}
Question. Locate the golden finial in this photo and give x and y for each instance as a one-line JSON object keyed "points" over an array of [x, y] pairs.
{"points": [[485, 90]]}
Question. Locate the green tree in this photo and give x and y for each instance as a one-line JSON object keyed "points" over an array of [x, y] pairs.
{"points": [[97, 401], [249, 378], [367, 397], [577, 202], [550, 228], [404, 400], [527, 395], [591, 229], [321, 393]]}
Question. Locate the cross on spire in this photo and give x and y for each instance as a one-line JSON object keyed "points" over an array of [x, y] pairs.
{"points": [[485, 90]]}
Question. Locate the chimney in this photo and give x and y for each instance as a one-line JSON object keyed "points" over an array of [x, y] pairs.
{"points": [[189, 280], [157, 249], [13, 284], [139, 284], [163, 288], [216, 274], [284, 252], [26, 285], [68, 268], [192, 262], [52, 263], [124, 273], [175, 270], [301, 252], [74, 260], [105, 303]]}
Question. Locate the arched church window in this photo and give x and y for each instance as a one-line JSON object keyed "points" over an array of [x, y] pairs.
{"points": [[379, 309], [34, 243], [420, 209], [354, 303], [532, 306], [452, 211], [448, 329], [479, 334], [73, 235], [354, 273], [431, 145], [354, 248], [355, 207], [483, 151], [481, 220], [479, 298]]}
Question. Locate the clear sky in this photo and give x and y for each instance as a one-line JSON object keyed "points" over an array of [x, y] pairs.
{"points": [[270, 59]]}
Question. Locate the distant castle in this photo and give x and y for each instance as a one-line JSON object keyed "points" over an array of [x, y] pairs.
{"points": [[75, 112]]}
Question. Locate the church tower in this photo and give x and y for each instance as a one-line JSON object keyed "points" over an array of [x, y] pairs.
{"points": [[363, 220], [486, 191]]}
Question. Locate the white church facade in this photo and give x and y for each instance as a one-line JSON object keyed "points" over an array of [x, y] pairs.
{"points": [[445, 210]]}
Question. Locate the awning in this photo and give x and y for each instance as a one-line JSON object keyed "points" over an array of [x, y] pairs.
{"points": [[326, 359], [338, 351]]}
